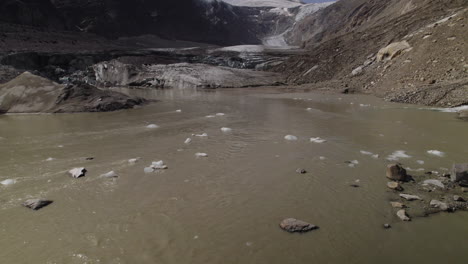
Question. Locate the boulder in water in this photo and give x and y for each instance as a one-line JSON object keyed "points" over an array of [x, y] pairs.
{"points": [[293, 225], [396, 172], [459, 172], [36, 204]]}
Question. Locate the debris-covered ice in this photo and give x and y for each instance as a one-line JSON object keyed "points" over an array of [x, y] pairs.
{"points": [[226, 129], [436, 153], [188, 140], [317, 140], [201, 155], [152, 126], [399, 154], [77, 172], [8, 182], [290, 137]]}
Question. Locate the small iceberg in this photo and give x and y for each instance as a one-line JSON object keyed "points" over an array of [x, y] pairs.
{"points": [[201, 155], [50, 159], [399, 154], [188, 140], [226, 129], [317, 140], [210, 116], [152, 126], [178, 111], [364, 105], [158, 165], [421, 162], [352, 163], [220, 114], [8, 182], [436, 153], [290, 137]]}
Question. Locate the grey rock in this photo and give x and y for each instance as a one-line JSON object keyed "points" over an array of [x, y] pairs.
{"points": [[293, 225], [458, 198], [301, 171], [77, 172], [459, 172], [397, 205], [438, 204], [410, 197], [402, 215], [36, 204], [396, 172]]}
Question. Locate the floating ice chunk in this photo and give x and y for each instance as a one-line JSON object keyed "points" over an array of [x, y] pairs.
{"points": [[110, 174], [178, 111], [201, 155], [148, 169], [188, 140], [352, 163], [436, 153], [8, 182], [135, 160], [410, 169], [434, 182], [322, 158], [152, 126], [60, 146], [220, 114], [420, 162], [399, 154], [158, 165], [195, 237], [309, 109], [364, 105], [50, 159], [375, 156], [363, 152], [210, 116], [290, 137], [317, 140], [226, 129], [77, 172], [201, 135]]}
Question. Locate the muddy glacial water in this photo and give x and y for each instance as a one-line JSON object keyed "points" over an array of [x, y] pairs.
{"points": [[226, 207]]}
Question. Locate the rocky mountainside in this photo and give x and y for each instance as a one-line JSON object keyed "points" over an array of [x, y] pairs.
{"points": [[407, 51]]}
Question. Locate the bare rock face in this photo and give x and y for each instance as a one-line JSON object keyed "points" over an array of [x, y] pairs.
{"points": [[77, 172], [36, 204], [402, 215], [396, 172], [459, 172], [293, 225], [394, 186]]}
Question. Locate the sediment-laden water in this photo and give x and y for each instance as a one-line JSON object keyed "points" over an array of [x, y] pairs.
{"points": [[226, 207]]}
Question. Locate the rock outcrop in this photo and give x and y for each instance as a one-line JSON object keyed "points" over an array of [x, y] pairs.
{"points": [[29, 93]]}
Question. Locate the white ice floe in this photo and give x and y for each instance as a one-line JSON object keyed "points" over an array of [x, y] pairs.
{"points": [[317, 140], [135, 160], [353, 163], [8, 182], [210, 116], [220, 114], [148, 169], [178, 111], [50, 159], [420, 162], [368, 153], [200, 135], [436, 153], [152, 126], [226, 129], [309, 109], [110, 174], [290, 137], [322, 158], [188, 140], [448, 110], [364, 105], [201, 155], [158, 165], [397, 155]]}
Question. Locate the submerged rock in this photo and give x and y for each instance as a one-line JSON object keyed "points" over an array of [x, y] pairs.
{"points": [[410, 197], [403, 215], [77, 172], [36, 204], [396, 172], [459, 172], [293, 225], [394, 186]]}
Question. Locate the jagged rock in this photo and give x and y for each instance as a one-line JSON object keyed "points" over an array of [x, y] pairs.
{"points": [[459, 172], [392, 50], [36, 204], [438, 204], [397, 205], [458, 198], [435, 183], [396, 172], [394, 186], [402, 215], [77, 172], [410, 197], [293, 225]]}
